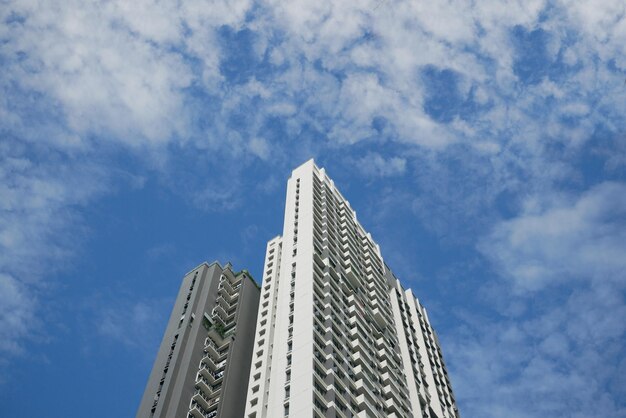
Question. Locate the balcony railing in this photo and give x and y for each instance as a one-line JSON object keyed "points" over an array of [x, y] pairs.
{"points": [[201, 398]]}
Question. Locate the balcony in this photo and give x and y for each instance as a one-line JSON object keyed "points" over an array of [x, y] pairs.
{"points": [[333, 274], [363, 388], [388, 357], [321, 367], [363, 403], [215, 354], [200, 398], [230, 297], [228, 287], [219, 345], [220, 366], [203, 384], [353, 312], [319, 380], [385, 377], [358, 371], [359, 343], [352, 277], [379, 318], [320, 332], [346, 286], [232, 279], [359, 359], [206, 372], [391, 406], [208, 363], [213, 407], [212, 378], [338, 412], [218, 376], [215, 392], [319, 261], [196, 412], [357, 346], [226, 305], [225, 316], [391, 391], [319, 406]]}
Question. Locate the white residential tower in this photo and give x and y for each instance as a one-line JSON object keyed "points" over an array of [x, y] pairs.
{"points": [[337, 335]]}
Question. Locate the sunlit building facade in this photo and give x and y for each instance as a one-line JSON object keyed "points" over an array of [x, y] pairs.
{"points": [[337, 335]]}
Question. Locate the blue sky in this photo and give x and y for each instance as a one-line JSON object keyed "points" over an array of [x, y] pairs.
{"points": [[482, 143]]}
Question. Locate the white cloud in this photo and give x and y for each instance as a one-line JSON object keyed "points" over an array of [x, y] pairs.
{"points": [[124, 69], [260, 148], [117, 68], [39, 230], [17, 315], [572, 238], [375, 165], [557, 360]]}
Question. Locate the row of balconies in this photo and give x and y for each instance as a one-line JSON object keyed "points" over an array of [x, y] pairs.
{"points": [[217, 344], [213, 375], [437, 367], [360, 371], [227, 302], [214, 353], [209, 390], [228, 299], [231, 278], [203, 383], [378, 293], [380, 315], [205, 397], [229, 287], [208, 404], [379, 311], [322, 406], [226, 317]]}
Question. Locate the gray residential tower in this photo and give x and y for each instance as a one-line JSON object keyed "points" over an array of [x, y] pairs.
{"points": [[203, 363]]}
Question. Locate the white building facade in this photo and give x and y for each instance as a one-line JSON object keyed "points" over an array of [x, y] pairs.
{"points": [[337, 335]]}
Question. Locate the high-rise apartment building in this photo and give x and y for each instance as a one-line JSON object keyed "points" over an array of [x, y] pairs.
{"points": [[331, 333], [203, 363], [337, 335]]}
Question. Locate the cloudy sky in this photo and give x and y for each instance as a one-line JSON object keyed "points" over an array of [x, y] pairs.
{"points": [[482, 143]]}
